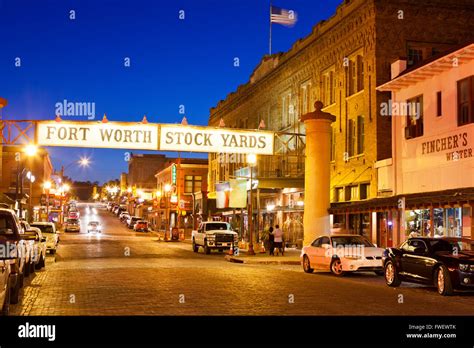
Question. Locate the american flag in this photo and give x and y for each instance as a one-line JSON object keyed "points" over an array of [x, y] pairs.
{"points": [[282, 16]]}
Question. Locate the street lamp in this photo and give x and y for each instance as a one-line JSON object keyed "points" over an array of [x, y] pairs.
{"points": [[47, 187], [252, 161], [167, 189], [29, 150], [32, 179]]}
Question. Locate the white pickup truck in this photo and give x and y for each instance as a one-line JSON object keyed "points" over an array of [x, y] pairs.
{"points": [[214, 235]]}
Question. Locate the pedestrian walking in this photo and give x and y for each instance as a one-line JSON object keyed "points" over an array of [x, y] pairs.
{"points": [[278, 241], [271, 241]]}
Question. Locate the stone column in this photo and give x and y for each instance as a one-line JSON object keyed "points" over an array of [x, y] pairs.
{"points": [[317, 181]]}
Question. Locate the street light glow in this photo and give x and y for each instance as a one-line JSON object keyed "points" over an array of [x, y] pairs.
{"points": [[251, 159], [47, 185], [66, 187], [30, 150], [84, 162], [167, 188]]}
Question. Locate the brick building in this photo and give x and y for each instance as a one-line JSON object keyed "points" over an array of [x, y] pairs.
{"points": [[142, 169], [39, 165], [340, 63], [176, 188]]}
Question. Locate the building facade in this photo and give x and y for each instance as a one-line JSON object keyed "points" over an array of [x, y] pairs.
{"points": [[178, 186], [41, 168], [431, 171], [340, 63]]}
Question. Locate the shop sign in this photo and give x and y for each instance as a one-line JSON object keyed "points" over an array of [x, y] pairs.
{"points": [[114, 135], [455, 146], [207, 139], [149, 136], [173, 174]]}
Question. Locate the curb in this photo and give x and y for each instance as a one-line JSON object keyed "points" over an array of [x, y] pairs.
{"points": [[156, 234], [264, 262]]}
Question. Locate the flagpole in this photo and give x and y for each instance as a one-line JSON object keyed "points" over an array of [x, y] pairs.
{"points": [[270, 39]]}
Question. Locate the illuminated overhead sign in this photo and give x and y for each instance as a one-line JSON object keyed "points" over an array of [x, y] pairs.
{"points": [[114, 135], [149, 136], [208, 139], [173, 174]]}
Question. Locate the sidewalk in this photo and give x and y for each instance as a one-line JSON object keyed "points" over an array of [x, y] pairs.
{"points": [[291, 257]]}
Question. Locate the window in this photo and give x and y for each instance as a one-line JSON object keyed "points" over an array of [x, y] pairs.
{"points": [[192, 183], [415, 244], [7, 224], [351, 134], [339, 194], [439, 104], [466, 101], [364, 191], [317, 243], [360, 73], [360, 135], [328, 89], [355, 75], [325, 240], [414, 114], [333, 144], [351, 192], [287, 111], [414, 56], [305, 98]]}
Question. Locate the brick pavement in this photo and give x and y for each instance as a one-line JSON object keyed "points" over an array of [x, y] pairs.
{"points": [[93, 276]]}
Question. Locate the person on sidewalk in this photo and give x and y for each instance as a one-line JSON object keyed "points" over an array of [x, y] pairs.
{"points": [[278, 239], [271, 241]]}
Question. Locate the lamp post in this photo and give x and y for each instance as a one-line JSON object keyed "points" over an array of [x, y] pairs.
{"points": [[251, 160], [47, 187], [167, 201], [32, 179], [29, 150]]}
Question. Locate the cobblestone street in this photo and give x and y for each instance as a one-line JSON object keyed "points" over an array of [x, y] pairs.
{"points": [[124, 273]]}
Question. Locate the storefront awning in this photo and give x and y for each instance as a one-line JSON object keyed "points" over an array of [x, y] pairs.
{"points": [[454, 197]]}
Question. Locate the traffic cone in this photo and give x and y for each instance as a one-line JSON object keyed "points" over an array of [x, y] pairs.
{"points": [[231, 250]]}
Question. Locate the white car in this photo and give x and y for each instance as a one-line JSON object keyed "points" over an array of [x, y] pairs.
{"points": [[94, 226], [342, 253], [49, 231]]}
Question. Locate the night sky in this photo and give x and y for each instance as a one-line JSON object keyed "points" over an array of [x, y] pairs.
{"points": [[173, 62]]}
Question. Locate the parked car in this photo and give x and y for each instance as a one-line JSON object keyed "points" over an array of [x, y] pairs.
{"points": [[72, 225], [132, 220], [17, 251], [446, 263], [94, 226], [5, 287], [342, 253], [214, 235], [48, 229], [115, 209], [38, 254], [73, 215], [124, 217], [120, 210], [141, 226]]}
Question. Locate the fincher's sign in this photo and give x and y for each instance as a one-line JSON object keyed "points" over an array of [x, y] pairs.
{"points": [[148, 136]]}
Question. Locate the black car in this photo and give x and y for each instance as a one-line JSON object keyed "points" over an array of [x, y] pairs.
{"points": [[447, 263]]}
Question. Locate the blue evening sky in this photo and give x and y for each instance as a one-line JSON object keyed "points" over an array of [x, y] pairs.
{"points": [[173, 62]]}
